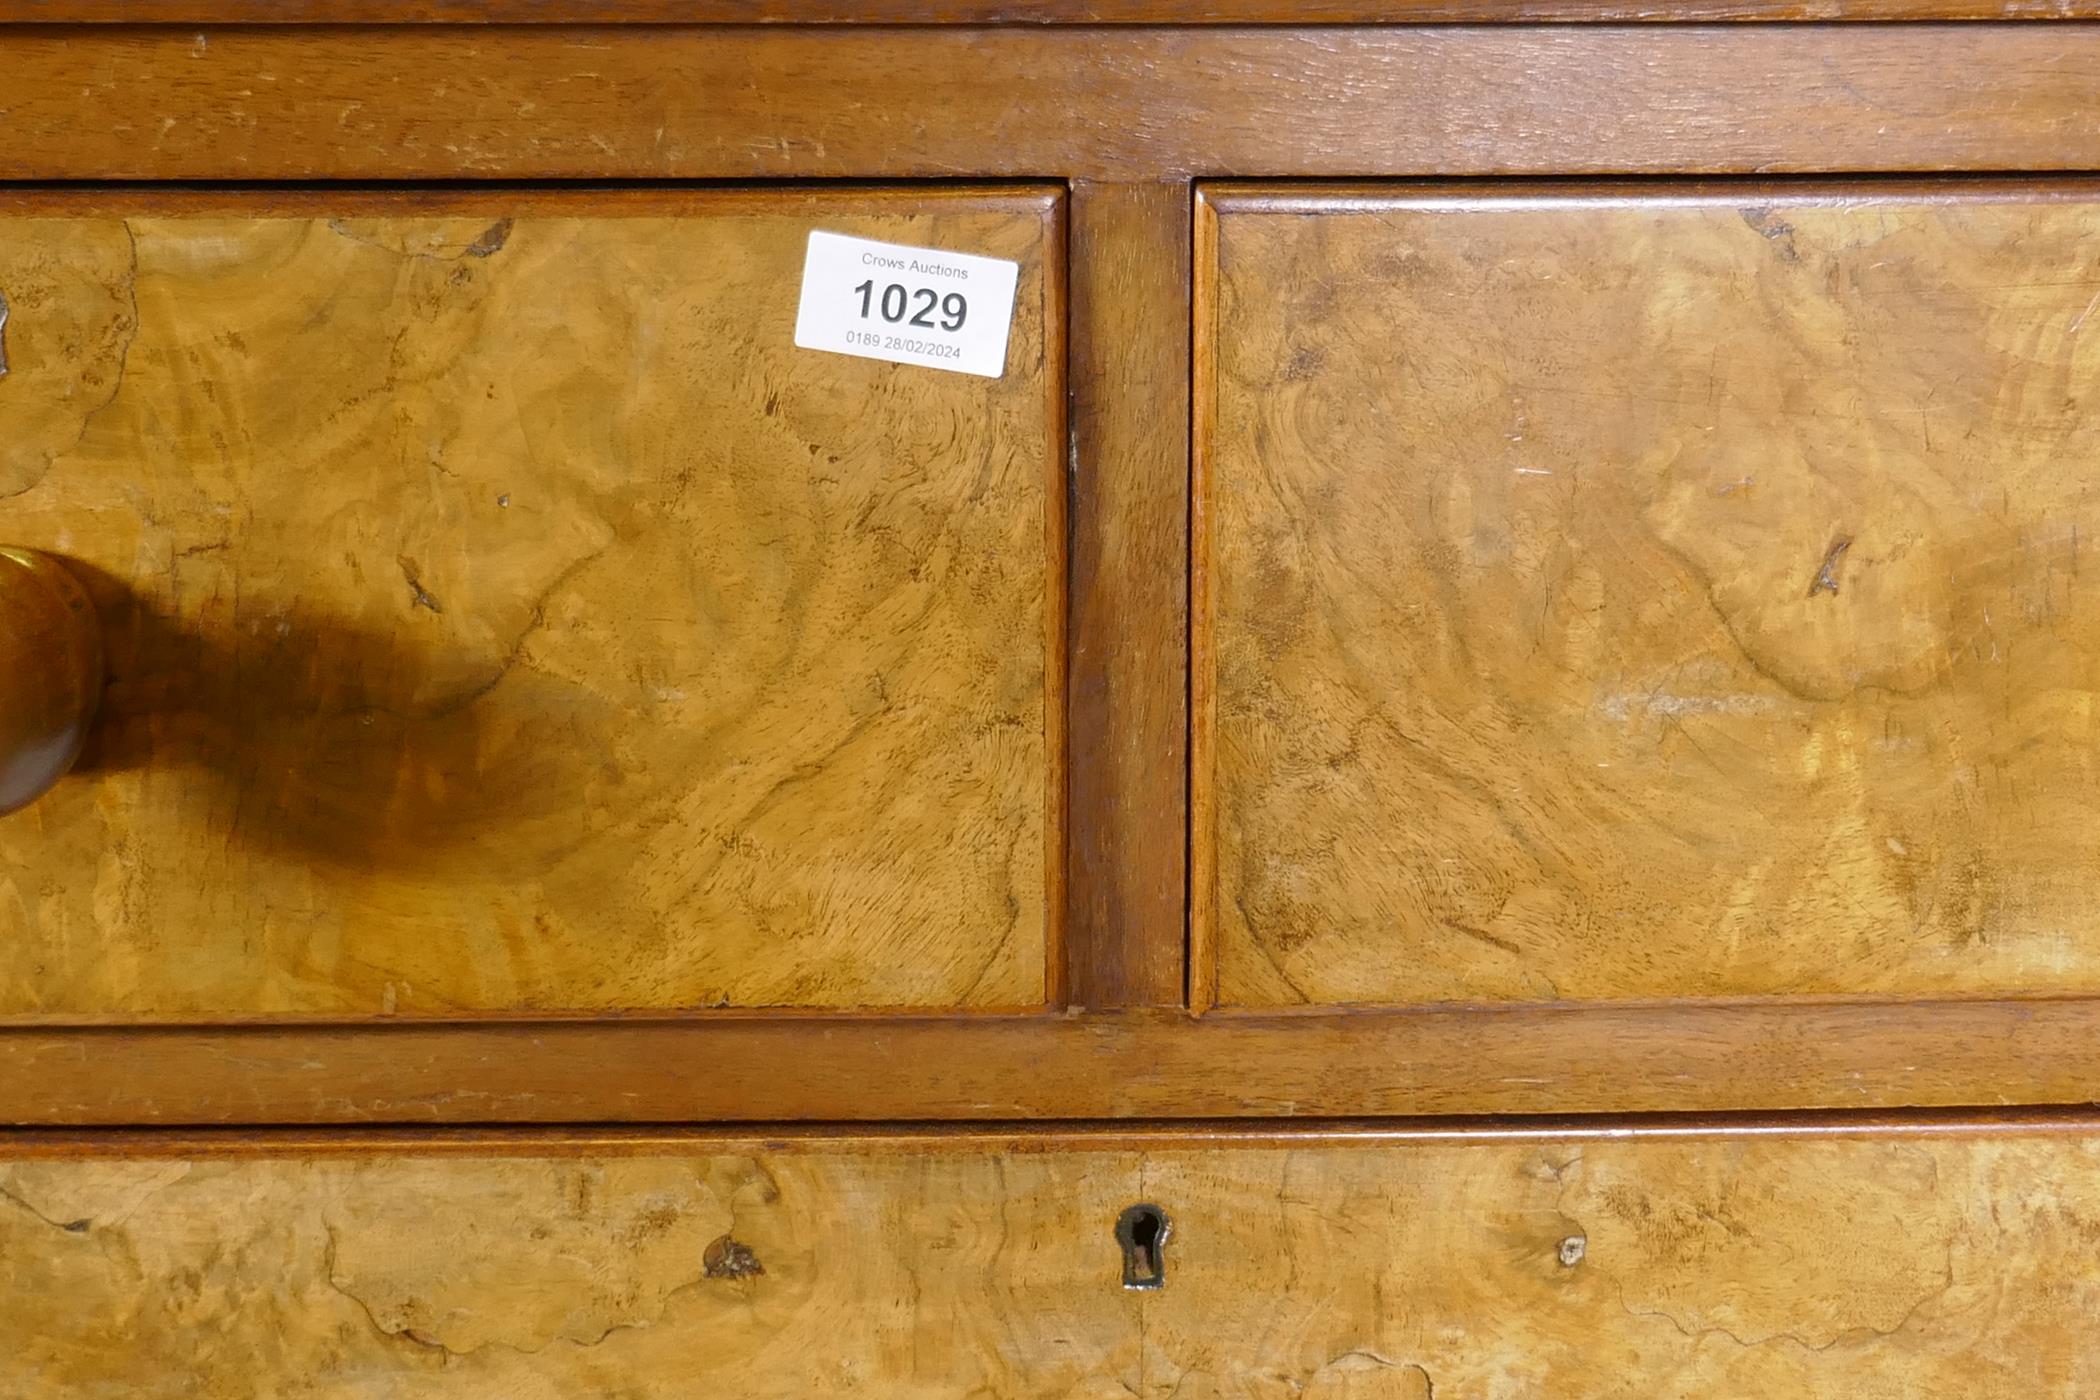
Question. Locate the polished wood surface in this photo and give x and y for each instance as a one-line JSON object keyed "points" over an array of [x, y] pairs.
{"points": [[52, 644], [1030, 12], [1126, 116], [1112, 104], [312, 1142], [738, 1067], [505, 615], [1645, 595], [1129, 656], [1873, 1263]]}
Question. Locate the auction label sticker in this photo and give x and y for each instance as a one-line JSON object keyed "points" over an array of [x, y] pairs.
{"points": [[915, 306]]}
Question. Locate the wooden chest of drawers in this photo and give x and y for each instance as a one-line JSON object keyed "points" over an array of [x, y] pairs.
{"points": [[1464, 770]]}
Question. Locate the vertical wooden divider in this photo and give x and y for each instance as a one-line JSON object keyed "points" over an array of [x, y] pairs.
{"points": [[1126, 920], [1202, 690]]}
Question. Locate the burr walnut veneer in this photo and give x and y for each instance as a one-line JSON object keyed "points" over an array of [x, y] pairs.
{"points": [[1647, 593], [1549, 1260], [1472, 775], [496, 621]]}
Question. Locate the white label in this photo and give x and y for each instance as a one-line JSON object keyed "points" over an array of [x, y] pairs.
{"points": [[916, 306]]}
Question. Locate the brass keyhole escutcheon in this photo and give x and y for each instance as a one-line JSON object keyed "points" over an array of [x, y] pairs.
{"points": [[1142, 1230], [50, 673]]}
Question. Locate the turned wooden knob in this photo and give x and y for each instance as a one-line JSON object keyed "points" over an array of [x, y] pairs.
{"points": [[50, 673]]}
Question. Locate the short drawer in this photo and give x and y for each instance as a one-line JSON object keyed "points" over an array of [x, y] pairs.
{"points": [[1831, 1259], [503, 614], [1648, 593]]}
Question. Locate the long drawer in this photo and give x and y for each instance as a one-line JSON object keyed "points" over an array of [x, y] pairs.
{"points": [[1806, 1259]]}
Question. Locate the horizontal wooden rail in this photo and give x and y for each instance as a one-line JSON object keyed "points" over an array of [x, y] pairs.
{"points": [[37, 1144], [1104, 104], [1132, 1065], [1020, 12]]}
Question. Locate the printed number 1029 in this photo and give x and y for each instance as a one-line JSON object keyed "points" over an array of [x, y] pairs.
{"points": [[913, 306]]}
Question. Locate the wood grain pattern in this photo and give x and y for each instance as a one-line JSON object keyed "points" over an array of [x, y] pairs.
{"points": [[1080, 103], [1878, 1264], [1034, 12], [769, 1068], [53, 679], [504, 615], [1129, 657], [1654, 596], [315, 1143]]}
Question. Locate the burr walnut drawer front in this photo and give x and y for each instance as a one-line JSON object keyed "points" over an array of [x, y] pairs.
{"points": [[1648, 593], [1863, 1262], [503, 614]]}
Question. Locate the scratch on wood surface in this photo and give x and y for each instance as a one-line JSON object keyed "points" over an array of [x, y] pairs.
{"points": [[1826, 580], [418, 595], [491, 240]]}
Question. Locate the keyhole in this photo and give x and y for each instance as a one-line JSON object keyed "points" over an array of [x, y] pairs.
{"points": [[1142, 1231]]}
